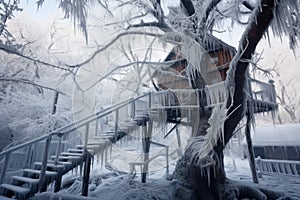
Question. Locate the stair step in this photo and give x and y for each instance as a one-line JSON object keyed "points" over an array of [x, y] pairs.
{"points": [[61, 158], [34, 171], [79, 150], [75, 150], [50, 166], [90, 147], [25, 179], [60, 162], [71, 154], [20, 192], [97, 142]]}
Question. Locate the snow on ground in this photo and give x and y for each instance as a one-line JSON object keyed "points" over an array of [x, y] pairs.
{"points": [[109, 185]]}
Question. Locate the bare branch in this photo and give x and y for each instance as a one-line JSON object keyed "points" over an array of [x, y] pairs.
{"points": [[120, 35]]}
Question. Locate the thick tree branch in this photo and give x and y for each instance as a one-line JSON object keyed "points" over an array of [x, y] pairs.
{"points": [[260, 21]]}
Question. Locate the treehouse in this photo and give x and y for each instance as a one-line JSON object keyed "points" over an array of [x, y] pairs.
{"points": [[174, 79]]}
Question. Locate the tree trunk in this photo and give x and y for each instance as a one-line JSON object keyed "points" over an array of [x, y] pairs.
{"points": [[213, 183]]}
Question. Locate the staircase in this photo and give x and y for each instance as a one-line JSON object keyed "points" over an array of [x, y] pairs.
{"points": [[36, 176]]}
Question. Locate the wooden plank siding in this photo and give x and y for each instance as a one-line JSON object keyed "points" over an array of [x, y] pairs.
{"points": [[175, 77]]}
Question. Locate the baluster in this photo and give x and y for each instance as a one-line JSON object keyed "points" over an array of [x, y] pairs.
{"points": [[4, 168], [27, 162], [58, 149], [116, 124], [97, 126], [42, 180]]}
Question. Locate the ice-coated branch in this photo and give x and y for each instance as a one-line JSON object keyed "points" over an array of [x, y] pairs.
{"points": [[9, 51], [28, 82], [101, 48], [161, 25]]}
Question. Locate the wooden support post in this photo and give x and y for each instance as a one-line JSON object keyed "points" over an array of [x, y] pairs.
{"points": [[86, 174], [4, 168], [250, 146], [57, 183], [146, 148], [42, 178]]}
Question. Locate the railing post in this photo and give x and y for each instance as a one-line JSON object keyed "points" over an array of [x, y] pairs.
{"points": [[86, 135], [42, 180], [4, 168], [273, 92], [87, 164], [57, 153], [150, 99]]}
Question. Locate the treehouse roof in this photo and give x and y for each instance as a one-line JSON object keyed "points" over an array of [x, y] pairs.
{"points": [[210, 44]]}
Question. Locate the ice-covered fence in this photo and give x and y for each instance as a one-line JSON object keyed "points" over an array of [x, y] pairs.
{"points": [[263, 94], [263, 91], [177, 98], [291, 167]]}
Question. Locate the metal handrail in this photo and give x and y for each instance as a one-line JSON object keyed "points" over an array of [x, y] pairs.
{"points": [[78, 124]]}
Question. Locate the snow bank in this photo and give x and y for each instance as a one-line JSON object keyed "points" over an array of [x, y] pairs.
{"points": [[287, 134]]}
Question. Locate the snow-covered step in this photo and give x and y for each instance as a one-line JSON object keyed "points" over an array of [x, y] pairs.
{"points": [[71, 154], [66, 163], [19, 192], [23, 179], [75, 150], [50, 166], [103, 137], [28, 172], [79, 150], [97, 142], [92, 148], [72, 159]]}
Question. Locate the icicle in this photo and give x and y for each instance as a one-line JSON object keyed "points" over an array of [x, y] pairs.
{"points": [[208, 175]]}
